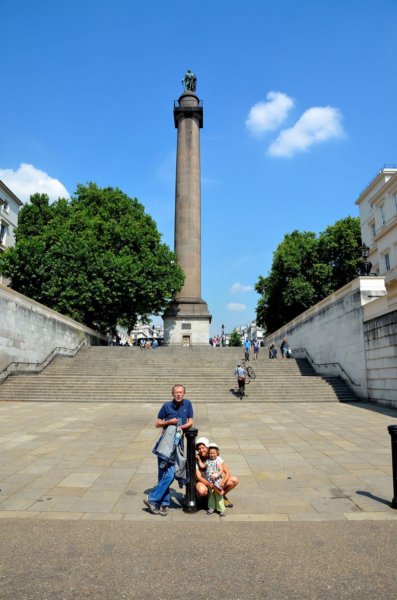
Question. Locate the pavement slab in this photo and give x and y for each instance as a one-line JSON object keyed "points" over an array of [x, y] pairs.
{"points": [[303, 461]]}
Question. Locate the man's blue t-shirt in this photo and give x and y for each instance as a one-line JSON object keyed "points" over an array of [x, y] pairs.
{"points": [[170, 410]]}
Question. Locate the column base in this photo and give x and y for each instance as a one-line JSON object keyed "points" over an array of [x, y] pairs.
{"points": [[187, 323]]}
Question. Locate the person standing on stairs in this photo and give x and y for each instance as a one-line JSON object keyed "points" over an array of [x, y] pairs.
{"points": [[247, 348], [256, 348], [284, 348]]}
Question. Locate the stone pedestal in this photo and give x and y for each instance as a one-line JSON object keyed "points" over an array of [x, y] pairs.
{"points": [[187, 323], [187, 320]]}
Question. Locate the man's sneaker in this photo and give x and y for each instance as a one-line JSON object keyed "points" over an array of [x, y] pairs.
{"points": [[210, 511], [152, 507], [221, 514], [228, 504], [163, 511]]}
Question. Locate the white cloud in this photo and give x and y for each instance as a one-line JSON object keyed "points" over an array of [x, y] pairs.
{"points": [[28, 180], [317, 124], [237, 288], [236, 306], [267, 116]]}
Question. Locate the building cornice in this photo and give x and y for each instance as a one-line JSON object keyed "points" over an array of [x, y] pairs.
{"points": [[10, 193], [377, 179], [377, 198]]}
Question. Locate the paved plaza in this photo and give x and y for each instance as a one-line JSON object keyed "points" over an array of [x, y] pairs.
{"points": [[295, 462], [311, 516]]}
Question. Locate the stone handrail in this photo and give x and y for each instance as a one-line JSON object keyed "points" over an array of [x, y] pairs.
{"points": [[35, 367], [326, 364]]}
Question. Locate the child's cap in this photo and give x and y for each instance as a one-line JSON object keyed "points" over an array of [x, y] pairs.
{"points": [[213, 445]]}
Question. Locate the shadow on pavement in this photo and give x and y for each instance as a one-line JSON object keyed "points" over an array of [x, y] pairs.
{"points": [[373, 497], [381, 410]]}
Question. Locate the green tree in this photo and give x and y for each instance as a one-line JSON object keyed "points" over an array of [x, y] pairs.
{"points": [[97, 258], [306, 269], [235, 338], [339, 247]]}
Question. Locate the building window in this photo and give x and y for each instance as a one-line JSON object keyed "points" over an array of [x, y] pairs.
{"points": [[387, 262], [373, 230], [395, 201], [6, 206], [382, 215], [3, 232]]}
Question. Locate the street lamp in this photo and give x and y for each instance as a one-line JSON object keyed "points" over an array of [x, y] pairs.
{"points": [[223, 336], [365, 265]]}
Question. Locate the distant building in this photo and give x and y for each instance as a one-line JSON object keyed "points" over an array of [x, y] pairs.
{"points": [[378, 216], [255, 332], [251, 331], [9, 208], [144, 331]]}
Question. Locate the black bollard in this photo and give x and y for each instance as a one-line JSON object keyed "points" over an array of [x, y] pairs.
{"points": [[190, 498], [393, 434]]}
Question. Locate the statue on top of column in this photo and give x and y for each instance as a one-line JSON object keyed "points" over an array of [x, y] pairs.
{"points": [[189, 82]]}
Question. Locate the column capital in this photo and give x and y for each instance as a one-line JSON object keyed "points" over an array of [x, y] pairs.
{"points": [[188, 105]]}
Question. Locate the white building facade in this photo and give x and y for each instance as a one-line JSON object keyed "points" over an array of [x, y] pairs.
{"points": [[254, 332], [143, 331], [378, 216], [9, 207]]}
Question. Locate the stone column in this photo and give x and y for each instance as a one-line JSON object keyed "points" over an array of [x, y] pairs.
{"points": [[188, 117], [187, 320]]}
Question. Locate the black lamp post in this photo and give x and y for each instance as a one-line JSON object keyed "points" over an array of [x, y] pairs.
{"points": [[393, 434], [365, 265], [190, 498], [223, 335]]}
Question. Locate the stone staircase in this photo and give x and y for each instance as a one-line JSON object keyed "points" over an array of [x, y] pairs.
{"points": [[123, 374]]}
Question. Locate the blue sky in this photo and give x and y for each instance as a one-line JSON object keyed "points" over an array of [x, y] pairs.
{"points": [[299, 114]]}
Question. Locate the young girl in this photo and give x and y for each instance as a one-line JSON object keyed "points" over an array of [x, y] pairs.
{"points": [[214, 473]]}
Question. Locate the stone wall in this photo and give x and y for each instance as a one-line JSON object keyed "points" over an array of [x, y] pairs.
{"points": [[332, 331], [380, 336], [29, 331]]}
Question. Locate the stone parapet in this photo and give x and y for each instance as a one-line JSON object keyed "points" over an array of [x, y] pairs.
{"points": [[29, 331], [332, 332]]}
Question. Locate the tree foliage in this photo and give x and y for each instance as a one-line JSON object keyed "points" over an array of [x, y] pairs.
{"points": [[306, 269], [235, 338], [97, 258]]}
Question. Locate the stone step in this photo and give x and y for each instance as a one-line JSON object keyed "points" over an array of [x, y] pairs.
{"points": [[165, 382], [130, 375]]}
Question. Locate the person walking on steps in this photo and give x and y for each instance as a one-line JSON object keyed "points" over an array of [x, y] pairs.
{"points": [[256, 348], [247, 348], [284, 348], [241, 375]]}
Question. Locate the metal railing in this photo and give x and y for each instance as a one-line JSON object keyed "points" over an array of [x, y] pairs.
{"points": [[16, 367], [326, 364]]}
